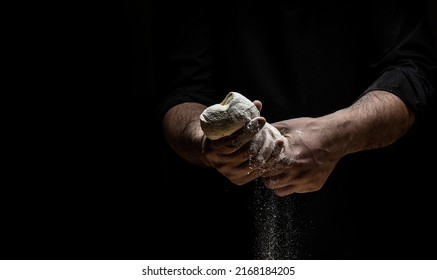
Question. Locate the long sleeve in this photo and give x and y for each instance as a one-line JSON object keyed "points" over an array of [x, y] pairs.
{"points": [[189, 73], [409, 69]]}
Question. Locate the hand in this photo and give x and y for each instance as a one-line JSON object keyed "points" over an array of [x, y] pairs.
{"points": [[240, 157], [308, 157]]}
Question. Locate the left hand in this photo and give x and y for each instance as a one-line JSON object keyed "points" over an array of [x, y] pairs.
{"points": [[308, 157]]}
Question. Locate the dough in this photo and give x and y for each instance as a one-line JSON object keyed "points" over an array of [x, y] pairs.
{"points": [[231, 114]]}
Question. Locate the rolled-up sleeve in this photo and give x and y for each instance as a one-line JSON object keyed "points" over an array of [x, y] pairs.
{"points": [[409, 70]]}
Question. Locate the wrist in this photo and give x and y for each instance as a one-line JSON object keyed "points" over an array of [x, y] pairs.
{"points": [[376, 120]]}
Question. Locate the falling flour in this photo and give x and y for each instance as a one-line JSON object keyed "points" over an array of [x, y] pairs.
{"points": [[276, 229]]}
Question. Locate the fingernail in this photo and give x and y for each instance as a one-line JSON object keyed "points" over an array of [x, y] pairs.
{"points": [[279, 143]]}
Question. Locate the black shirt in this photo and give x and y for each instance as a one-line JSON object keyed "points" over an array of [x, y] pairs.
{"points": [[308, 59]]}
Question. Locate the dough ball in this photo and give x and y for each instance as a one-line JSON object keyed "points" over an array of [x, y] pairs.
{"points": [[231, 114]]}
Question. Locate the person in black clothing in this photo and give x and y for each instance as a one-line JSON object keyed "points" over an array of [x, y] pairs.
{"points": [[350, 85]]}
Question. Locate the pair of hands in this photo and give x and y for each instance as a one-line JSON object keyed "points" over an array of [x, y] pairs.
{"points": [[304, 155], [299, 161]]}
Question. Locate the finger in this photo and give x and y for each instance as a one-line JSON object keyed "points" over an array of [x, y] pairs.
{"points": [[246, 133], [254, 167], [287, 190], [285, 178], [275, 155], [238, 139], [234, 142], [265, 157], [279, 144], [242, 175], [258, 105], [275, 181], [260, 151]]}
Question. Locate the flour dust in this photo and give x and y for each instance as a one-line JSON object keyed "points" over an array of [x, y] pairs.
{"points": [[277, 231]]}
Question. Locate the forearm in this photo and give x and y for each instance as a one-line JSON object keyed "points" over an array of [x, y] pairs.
{"points": [[376, 120], [181, 128]]}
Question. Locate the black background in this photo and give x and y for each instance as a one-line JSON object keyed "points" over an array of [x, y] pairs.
{"points": [[88, 175]]}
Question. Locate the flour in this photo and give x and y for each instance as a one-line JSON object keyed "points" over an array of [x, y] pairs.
{"points": [[275, 230]]}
